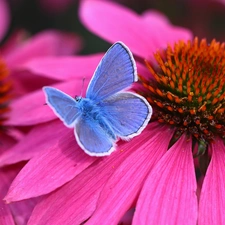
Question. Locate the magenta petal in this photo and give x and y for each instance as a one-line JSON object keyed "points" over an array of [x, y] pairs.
{"points": [[6, 217], [13, 41], [46, 43], [169, 193], [31, 109], [124, 185], [4, 18], [161, 25], [22, 210], [109, 21], [35, 140], [50, 169], [64, 68], [6, 143], [18, 212], [154, 16], [142, 35], [212, 198], [76, 201]]}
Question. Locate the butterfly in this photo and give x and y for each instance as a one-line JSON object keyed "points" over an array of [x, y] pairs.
{"points": [[108, 112]]}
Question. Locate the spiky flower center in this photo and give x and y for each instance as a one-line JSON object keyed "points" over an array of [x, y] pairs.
{"points": [[188, 88], [4, 93]]}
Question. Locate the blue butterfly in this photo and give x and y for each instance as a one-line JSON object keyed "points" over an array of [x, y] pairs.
{"points": [[107, 112]]}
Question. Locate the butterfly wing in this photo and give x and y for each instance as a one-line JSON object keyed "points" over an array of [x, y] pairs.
{"points": [[127, 113], [63, 105], [116, 71], [92, 138]]}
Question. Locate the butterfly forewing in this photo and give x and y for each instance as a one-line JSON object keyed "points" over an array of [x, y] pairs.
{"points": [[63, 105], [115, 72]]}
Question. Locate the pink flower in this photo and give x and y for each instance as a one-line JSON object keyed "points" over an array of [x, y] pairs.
{"points": [[17, 80], [193, 107], [154, 172], [76, 186], [19, 51]]}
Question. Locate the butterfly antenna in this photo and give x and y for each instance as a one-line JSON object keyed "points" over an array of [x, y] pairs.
{"points": [[82, 89]]}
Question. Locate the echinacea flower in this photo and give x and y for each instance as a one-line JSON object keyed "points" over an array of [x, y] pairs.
{"points": [[186, 89], [15, 77], [17, 80], [151, 176]]}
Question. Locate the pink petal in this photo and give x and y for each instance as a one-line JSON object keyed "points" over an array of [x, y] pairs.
{"points": [[49, 68], [25, 82], [46, 43], [13, 41], [76, 201], [7, 174], [64, 68], [155, 16], [50, 168], [4, 18], [6, 217], [127, 217], [169, 193], [31, 109], [124, 185], [114, 22], [164, 32], [117, 19], [6, 142], [33, 140], [18, 212], [212, 198], [22, 210]]}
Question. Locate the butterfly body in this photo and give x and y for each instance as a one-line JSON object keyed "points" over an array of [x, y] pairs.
{"points": [[108, 112], [92, 112]]}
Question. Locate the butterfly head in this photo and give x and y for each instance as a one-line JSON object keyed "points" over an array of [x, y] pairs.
{"points": [[77, 98]]}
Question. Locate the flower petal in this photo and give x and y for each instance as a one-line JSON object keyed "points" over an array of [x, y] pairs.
{"points": [[22, 210], [17, 212], [6, 143], [25, 82], [161, 25], [64, 68], [46, 43], [33, 140], [124, 185], [4, 18], [31, 109], [6, 217], [169, 193], [50, 168], [114, 22], [12, 42], [212, 198], [76, 201], [117, 19]]}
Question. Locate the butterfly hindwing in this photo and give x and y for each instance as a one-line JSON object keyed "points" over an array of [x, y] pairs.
{"points": [[127, 113], [116, 72], [63, 105], [92, 138]]}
